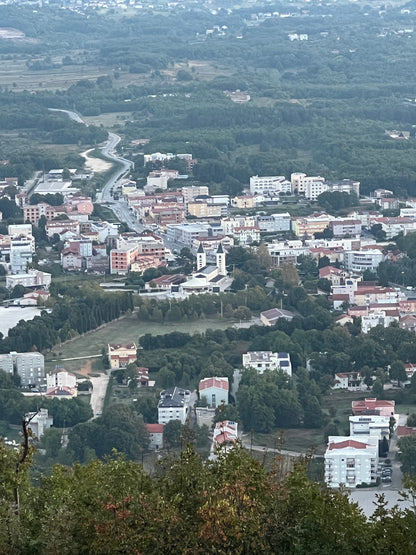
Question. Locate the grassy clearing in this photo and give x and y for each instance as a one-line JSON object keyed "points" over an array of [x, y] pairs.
{"points": [[109, 120], [301, 440], [337, 404], [125, 330]]}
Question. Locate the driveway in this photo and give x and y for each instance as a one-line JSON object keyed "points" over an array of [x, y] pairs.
{"points": [[98, 393]]}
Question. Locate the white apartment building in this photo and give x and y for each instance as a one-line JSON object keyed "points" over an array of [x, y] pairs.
{"points": [[22, 248], [341, 227], [359, 261], [246, 235], [186, 233], [351, 461], [229, 224], [267, 360], [315, 188], [377, 318], [173, 405], [370, 425], [286, 252], [300, 180], [60, 378], [405, 213], [394, 226], [274, 222], [269, 184], [34, 278]]}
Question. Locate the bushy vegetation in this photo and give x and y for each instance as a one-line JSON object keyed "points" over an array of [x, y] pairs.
{"points": [[230, 505]]}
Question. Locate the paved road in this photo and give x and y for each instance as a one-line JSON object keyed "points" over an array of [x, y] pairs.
{"points": [[98, 393]]}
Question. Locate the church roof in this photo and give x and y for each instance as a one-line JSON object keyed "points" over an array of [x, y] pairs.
{"points": [[220, 249], [200, 248]]}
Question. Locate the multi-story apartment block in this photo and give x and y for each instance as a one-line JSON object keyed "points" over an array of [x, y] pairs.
{"points": [[33, 212], [33, 278], [274, 222], [394, 226], [351, 461], [247, 235], [173, 405], [308, 226], [21, 252], [30, 367], [370, 425], [300, 180], [270, 184], [360, 261], [286, 252], [340, 228], [186, 233], [60, 226]]}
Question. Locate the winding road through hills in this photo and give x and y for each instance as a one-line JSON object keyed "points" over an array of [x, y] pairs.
{"points": [[123, 166]]}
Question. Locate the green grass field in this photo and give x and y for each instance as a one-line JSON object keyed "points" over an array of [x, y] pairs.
{"points": [[125, 330]]}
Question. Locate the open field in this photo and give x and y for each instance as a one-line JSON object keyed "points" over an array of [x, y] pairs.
{"points": [[301, 440], [109, 120], [125, 330], [337, 404]]}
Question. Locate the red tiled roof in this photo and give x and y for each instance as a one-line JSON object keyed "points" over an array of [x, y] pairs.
{"points": [[155, 428], [221, 383], [348, 443]]}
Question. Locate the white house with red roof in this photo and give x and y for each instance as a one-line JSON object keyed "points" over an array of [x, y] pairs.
{"points": [[61, 383], [214, 390], [348, 380], [155, 436], [225, 433], [351, 461]]}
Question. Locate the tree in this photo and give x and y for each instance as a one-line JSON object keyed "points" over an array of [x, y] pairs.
{"points": [[407, 454], [172, 433], [411, 420], [51, 441], [397, 372]]}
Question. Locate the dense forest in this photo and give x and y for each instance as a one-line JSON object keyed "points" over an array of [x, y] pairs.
{"points": [[321, 105]]}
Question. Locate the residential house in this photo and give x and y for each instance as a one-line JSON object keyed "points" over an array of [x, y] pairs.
{"points": [[214, 390], [120, 355], [155, 436], [267, 360], [348, 380], [270, 317], [225, 433]]}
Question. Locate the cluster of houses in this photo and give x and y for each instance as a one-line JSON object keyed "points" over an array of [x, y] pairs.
{"points": [[30, 367], [354, 460]]}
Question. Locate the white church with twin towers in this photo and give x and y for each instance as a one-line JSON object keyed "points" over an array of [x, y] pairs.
{"points": [[208, 278]]}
